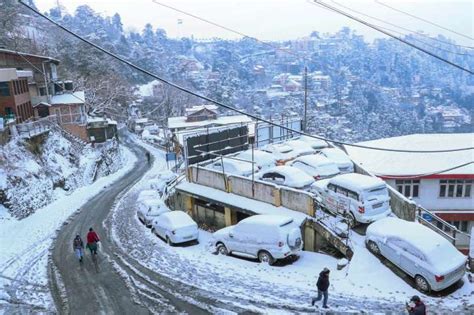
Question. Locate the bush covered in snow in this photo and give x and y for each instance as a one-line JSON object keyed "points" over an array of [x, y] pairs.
{"points": [[34, 172]]}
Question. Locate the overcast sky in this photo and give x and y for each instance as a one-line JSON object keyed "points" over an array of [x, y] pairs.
{"points": [[280, 19]]}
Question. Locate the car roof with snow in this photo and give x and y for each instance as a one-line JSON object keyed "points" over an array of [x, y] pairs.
{"points": [[262, 156], [314, 160], [293, 176], [239, 166], [356, 182], [424, 239], [335, 153], [313, 141], [153, 202], [147, 193], [277, 148], [178, 218], [268, 219], [300, 146]]}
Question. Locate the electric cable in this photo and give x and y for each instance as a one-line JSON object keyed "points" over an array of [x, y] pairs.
{"points": [[336, 10], [422, 19], [422, 175], [182, 89]]}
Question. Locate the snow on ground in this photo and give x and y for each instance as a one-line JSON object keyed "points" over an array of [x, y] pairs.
{"points": [[365, 284], [24, 244]]}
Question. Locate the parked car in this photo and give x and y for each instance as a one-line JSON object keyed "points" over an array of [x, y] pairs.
{"points": [[281, 151], [161, 181], [231, 166], [316, 144], [423, 254], [361, 198], [265, 237], [317, 166], [340, 158], [301, 147], [285, 175], [175, 227], [263, 160], [147, 194], [150, 209]]}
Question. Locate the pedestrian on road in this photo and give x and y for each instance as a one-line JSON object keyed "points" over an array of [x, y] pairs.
{"points": [[323, 286], [416, 306], [148, 157], [92, 239], [78, 247]]}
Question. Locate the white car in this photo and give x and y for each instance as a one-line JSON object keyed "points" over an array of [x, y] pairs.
{"points": [[340, 158], [147, 194], [316, 144], [286, 176], [175, 227], [361, 198], [161, 181], [263, 160], [150, 209], [301, 147], [423, 254], [231, 166], [282, 152], [266, 237], [317, 166]]}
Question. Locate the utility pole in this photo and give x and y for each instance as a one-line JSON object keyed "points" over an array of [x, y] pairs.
{"points": [[305, 98]]}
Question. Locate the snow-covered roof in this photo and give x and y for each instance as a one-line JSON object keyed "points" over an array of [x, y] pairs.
{"points": [[68, 98], [268, 219], [251, 205], [314, 160], [356, 182], [29, 55], [180, 122], [439, 251], [146, 90], [386, 163], [197, 108]]}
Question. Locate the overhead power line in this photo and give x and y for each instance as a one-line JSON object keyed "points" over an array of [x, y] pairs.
{"points": [[180, 88], [339, 11], [422, 175], [407, 30], [422, 19]]}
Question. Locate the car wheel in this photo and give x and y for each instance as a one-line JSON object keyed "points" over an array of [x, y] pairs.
{"points": [[421, 284], [350, 219], [265, 257], [373, 247], [222, 250], [168, 241]]}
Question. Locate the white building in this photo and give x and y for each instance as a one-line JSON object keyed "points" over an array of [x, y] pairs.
{"points": [[440, 182]]}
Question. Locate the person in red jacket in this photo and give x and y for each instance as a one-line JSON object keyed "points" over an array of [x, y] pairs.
{"points": [[92, 239]]}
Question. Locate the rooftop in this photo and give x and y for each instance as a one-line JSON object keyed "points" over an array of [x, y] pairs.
{"points": [[68, 98], [386, 163], [180, 122], [56, 61]]}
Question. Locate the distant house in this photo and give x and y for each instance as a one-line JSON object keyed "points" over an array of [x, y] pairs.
{"points": [[440, 182], [201, 113], [15, 100]]}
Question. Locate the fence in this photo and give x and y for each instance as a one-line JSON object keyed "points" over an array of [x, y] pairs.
{"points": [[34, 128]]}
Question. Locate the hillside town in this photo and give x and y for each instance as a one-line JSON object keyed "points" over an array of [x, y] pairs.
{"points": [[145, 173]]}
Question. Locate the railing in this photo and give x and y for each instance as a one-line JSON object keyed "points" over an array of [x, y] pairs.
{"points": [[34, 128]]}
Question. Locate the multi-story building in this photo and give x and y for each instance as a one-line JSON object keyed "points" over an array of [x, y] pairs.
{"points": [[15, 100], [440, 182]]}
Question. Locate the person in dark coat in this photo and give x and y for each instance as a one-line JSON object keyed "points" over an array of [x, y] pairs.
{"points": [[323, 286], [416, 306], [78, 247]]}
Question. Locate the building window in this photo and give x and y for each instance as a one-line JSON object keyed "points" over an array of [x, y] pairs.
{"points": [[4, 89], [452, 188], [409, 188]]}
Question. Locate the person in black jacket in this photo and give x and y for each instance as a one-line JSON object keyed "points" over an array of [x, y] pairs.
{"points": [[416, 306], [323, 286]]}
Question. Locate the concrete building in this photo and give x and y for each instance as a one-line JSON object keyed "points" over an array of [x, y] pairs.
{"points": [[15, 100], [439, 182]]}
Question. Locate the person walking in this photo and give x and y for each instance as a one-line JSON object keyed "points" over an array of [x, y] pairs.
{"points": [[323, 286], [92, 239], [416, 306], [78, 247]]}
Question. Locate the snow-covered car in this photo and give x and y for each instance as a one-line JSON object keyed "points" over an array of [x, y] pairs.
{"points": [[147, 194], [162, 180], [266, 237], [316, 144], [150, 209], [231, 166], [340, 158], [285, 175], [263, 160], [360, 198], [423, 254], [317, 166], [175, 227], [301, 147], [281, 151]]}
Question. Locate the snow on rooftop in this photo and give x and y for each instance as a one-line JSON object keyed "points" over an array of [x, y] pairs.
{"points": [[68, 98], [197, 108], [146, 90], [180, 122], [395, 163], [257, 207]]}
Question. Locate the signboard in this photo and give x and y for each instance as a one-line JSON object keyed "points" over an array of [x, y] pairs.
{"points": [[170, 156], [427, 217]]}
